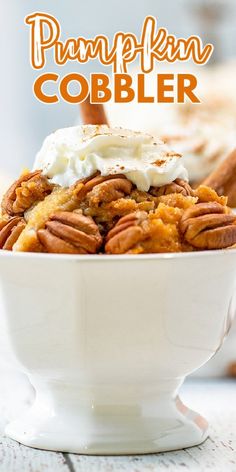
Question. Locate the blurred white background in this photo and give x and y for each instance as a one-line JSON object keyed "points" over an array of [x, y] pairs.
{"points": [[24, 121]]}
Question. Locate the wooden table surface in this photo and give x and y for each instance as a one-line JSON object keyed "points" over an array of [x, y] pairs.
{"points": [[216, 399]]}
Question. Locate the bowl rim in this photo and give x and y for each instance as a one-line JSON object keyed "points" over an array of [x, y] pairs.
{"points": [[116, 257]]}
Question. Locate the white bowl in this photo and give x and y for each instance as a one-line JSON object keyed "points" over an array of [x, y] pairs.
{"points": [[106, 341]]}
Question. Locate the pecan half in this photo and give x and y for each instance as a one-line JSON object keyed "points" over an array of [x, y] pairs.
{"points": [[99, 189], [10, 231], [27, 190], [208, 226], [109, 191], [70, 233], [126, 233], [178, 186]]}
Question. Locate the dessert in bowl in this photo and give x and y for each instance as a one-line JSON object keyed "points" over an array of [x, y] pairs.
{"points": [[96, 189], [117, 280]]}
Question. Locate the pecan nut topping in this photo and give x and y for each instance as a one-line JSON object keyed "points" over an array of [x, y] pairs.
{"points": [[128, 232], [99, 189], [208, 226], [27, 190], [178, 186], [10, 231], [109, 191], [70, 233]]}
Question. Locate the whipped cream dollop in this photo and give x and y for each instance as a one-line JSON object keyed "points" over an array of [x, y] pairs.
{"points": [[78, 152]]}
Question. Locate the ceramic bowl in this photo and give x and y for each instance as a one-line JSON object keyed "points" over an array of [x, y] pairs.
{"points": [[107, 341]]}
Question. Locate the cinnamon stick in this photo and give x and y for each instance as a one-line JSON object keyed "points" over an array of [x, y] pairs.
{"points": [[92, 113], [231, 371], [223, 178]]}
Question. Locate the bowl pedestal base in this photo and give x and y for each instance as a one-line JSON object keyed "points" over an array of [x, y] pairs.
{"points": [[108, 420]]}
